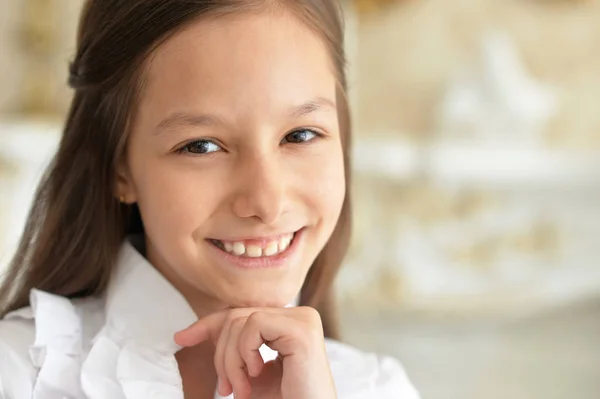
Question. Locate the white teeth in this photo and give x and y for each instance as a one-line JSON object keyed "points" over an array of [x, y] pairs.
{"points": [[271, 249], [284, 243], [239, 248], [254, 251]]}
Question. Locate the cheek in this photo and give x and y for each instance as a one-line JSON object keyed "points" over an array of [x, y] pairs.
{"points": [[325, 185], [173, 198]]}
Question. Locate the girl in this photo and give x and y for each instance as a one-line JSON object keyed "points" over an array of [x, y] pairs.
{"points": [[198, 196]]}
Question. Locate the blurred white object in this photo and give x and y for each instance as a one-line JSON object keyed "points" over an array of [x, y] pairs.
{"points": [[531, 245], [483, 164], [497, 99]]}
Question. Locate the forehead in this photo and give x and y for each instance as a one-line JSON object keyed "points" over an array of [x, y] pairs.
{"points": [[260, 59]]}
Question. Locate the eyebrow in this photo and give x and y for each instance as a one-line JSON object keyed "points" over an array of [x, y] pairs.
{"points": [[203, 120], [185, 119], [318, 104]]}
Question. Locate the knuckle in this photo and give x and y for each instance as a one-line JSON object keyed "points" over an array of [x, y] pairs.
{"points": [[256, 318], [238, 322], [237, 313], [230, 320], [231, 316], [312, 317]]}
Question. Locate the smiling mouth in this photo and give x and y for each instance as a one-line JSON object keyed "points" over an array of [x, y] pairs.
{"points": [[256, 248]]}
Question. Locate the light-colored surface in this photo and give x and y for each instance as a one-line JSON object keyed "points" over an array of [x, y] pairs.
{"points": [[11, 64], [553, 356], [409, 54], [402, 60], [36, 44], [492, 164], [26, 148]]}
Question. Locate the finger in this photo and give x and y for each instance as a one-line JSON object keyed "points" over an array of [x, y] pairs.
{"points": [[225, 388], [221, 346], [208, 327], [249, 342], [281, 333], [234, 365]]}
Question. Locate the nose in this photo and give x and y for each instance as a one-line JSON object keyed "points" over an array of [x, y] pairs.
{"points": [[260, 189]]}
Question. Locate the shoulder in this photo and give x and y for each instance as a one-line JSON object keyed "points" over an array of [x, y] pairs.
{"points": [[359, 374], [29, 335], [17, 335]]}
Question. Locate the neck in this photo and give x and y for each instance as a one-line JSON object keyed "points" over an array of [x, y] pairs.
{"points": [[202, 304]]}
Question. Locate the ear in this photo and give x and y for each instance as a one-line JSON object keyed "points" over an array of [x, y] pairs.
{"points": [[125, 190]]}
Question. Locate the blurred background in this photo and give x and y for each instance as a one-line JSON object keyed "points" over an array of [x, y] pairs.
{"points": [[477, 182]]}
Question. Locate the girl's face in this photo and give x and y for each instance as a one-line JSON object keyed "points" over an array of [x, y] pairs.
{"points": [[235, 149]]}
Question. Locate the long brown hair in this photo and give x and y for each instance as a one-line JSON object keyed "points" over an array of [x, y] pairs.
{"points": [[76, 225]]}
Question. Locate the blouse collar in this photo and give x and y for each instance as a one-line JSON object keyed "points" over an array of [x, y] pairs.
{"points": [[142, 305]]}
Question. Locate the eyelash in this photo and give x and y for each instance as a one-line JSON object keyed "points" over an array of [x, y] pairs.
{"points": [[185, 148], [316, 135]]}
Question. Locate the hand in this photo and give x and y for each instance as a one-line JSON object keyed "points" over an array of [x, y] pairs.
{"points": [[301, 371]]}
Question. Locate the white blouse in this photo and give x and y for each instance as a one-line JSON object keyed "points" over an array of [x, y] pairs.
{"points": [[121, 346]]}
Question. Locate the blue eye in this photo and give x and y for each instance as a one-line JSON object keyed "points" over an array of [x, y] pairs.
{"points": [[300, 136], [200, 147]]}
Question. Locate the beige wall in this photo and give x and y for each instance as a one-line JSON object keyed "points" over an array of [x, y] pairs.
{"points": [[402, 59], [409, 52], [36, 43]]}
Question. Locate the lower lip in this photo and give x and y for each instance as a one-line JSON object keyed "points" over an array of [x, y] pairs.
{"points": [[263, 262]]}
